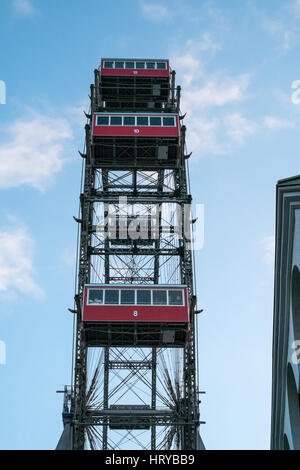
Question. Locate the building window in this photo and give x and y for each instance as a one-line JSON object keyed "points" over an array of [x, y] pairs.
{"points": [[161, 65], [143, 297], [95, 297], [168, 121], [155, 121], [159, 297], [108, 65], [175, 297], [142, 121], [119, 65], [140, 65], [127, 297], [111, 296], [115, 121], [150, 65], [129, 121], [102, 120]]}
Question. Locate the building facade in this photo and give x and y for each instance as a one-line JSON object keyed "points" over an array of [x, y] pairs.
{"points": [[285, 427]]}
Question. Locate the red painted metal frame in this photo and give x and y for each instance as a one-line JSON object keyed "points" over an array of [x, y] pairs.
{"points": [[136, 313], [135, 131]]}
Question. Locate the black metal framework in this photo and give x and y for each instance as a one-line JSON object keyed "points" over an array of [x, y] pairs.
{"points": [[134, 394], [132, 94]]}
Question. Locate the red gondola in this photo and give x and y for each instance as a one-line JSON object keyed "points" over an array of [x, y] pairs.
{"points": [[135, 67], [145, 316], [135, 85], [147, 140], [136, 124]]}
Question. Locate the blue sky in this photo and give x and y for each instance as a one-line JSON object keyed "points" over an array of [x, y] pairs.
{"points": [[236, 62]]}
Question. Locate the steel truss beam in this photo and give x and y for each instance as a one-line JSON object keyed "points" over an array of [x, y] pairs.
{"points": [[138, 250], [140, 198], [130, 365], [134, 417], [118, 94]]}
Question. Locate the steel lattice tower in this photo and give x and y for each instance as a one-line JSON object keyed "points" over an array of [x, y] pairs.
{"points": [[127, 394]]}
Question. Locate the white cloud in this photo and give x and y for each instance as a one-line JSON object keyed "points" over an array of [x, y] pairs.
{"points": [[32, 151], [216, 92], [277, 29], [214, 124], [76, 113], [206, 43], [212, 130], [273, 122], [296, 7], [68, 256], [187, 66], [238, 127], [203, 136], [154, 11], [269, 249], [23, 7], [16, 265], [218, 135]]}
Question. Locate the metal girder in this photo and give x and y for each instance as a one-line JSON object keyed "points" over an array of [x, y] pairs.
{"points": [[137, 250], [141, 197], [130, 280], [156, 418], [131, 365], [134, 417], [137, 94], [105, 183]]}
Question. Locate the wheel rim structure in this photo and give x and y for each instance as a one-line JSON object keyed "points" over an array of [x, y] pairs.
{"points": [[125, 396]]}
